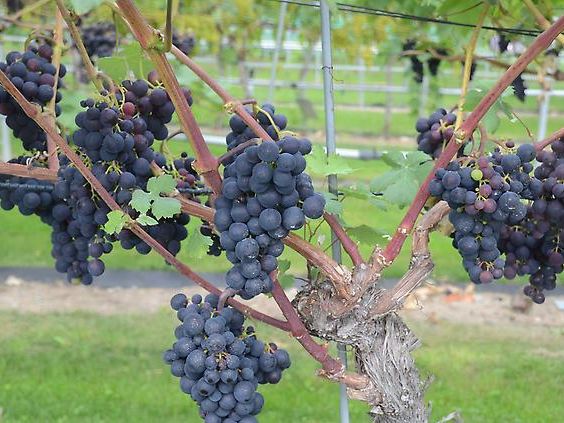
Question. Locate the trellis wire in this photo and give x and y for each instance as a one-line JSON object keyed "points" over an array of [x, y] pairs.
{"points": [[330, 142], [385, 13]]}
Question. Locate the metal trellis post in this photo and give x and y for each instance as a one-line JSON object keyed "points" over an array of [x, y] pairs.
{"points": [[277, 48], [327, 68], [4, 133]]}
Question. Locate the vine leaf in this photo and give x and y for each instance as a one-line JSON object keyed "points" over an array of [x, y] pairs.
{"points": [[400, 184], [140, 201], [116, 221], [332, 204], [145, 220], [198, 243], [162, 184], [115, 67], [321, 164], [285, 279], [165, 207], [365, 234]]}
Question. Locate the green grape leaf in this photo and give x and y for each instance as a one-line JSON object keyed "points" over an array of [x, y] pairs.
{"points": [[198, 243], [314, 273], [395, 159], [379, 203], [283, 265], [332, 204], [115, 67], [321, 164], [491, 120], [140, 201], [145, 220], [287, 281], [162, 184], [165, 207], [116, 221], [359, 191], [380, 183], [403, 190], [365, 234], [136, 60], [84, 6]]}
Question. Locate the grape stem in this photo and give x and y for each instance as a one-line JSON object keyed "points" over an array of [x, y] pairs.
{"points": [[168, 26], [225, 295], [206, 164], [75, 34], [541, 145], [39, 118], [541, 20], [468, 65], [238, 149]]}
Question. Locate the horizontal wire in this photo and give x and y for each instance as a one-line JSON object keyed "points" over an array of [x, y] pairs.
{"points": [[384, 13]]}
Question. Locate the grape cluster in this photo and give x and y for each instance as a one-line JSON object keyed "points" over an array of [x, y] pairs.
{"points": [[434, 132], [265, 195], [116, 143], [519, 87], [220, 363], [185, 43], [504, 206], [535, 246], [31, 196], [34, 75], [99, 39], [416, 64], [484, 196], [215, 248]]}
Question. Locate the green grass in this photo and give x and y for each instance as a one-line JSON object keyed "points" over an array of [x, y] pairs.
{"points": [[88, 368]]}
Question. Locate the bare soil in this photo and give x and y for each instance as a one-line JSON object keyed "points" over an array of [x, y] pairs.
{"points": [[430, 303]]}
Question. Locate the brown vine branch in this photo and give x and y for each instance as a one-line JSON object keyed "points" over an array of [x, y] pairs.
{"points": [[52, 157], [421, 262], [206, 163], [75, 34], [348, 244], [39, 118], [541, 145], [23, 171]]}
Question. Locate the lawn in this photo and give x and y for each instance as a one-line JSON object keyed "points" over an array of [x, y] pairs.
{"points": [[88, 368]]}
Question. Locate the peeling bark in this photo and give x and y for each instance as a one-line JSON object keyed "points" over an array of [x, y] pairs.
{"points": [[382, 348]]}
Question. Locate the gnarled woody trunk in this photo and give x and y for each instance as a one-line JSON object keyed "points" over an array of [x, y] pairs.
{"points": [[382, 346]]}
